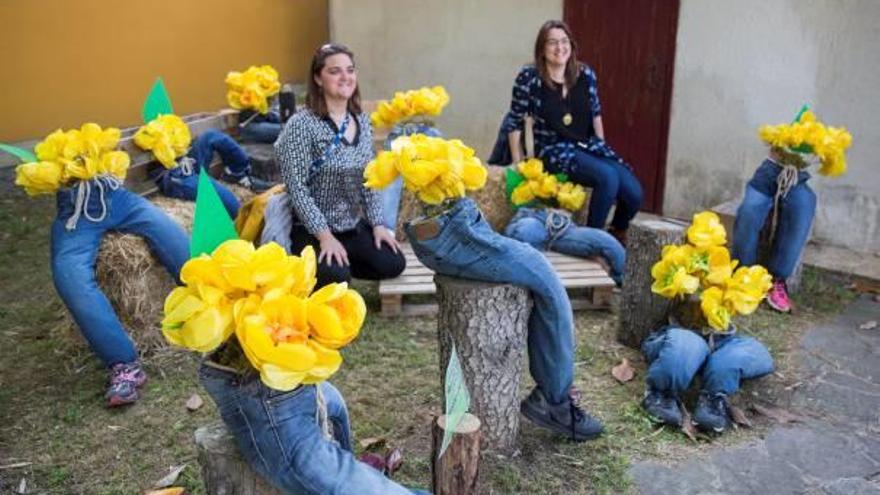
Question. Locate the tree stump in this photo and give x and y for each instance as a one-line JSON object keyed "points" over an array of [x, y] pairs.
{"points": [[488, 324], [224, 470], [263, 165], [457, 471], [642, 311]]}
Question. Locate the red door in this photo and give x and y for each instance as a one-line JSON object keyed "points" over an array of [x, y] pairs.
{"points": [[631, 46]]}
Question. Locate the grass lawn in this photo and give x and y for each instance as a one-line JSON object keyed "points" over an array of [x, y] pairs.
{"points": [[54, 426]]}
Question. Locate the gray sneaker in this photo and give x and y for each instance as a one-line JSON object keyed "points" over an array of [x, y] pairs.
{"points": [[566, 418]]}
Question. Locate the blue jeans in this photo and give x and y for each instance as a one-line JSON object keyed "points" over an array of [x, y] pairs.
{"points": [[467, 247], [262, 128], [530, 225], [278, 434], [390, 196], [796, 211], [73, 262], [676, 355], [611, 182], [177, 183]]}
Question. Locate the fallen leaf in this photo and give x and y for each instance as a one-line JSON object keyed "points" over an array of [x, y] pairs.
{"points": [[868, 325], [623, 372], [194, 402], [22, 486], [371, 442], [174, 490], [739, 417], [373, 460], [171, 477], [864, 287], [393, 461], [687, 426], [779, 415]]}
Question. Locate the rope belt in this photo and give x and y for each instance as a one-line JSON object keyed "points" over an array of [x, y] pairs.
{"points": [[186, 165], [83, 194], [321, 413], [785, 181], [556, 223]]}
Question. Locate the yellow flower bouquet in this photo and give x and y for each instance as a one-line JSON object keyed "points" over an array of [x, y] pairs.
{"points": [[251, 89], [167, 136], [74, 155], [410, 106], [528, 183], [703, 267], [434, 169], [807, 135], [288, 332]]}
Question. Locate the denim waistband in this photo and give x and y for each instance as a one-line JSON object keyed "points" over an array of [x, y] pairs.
{"points": [[80, 197]]}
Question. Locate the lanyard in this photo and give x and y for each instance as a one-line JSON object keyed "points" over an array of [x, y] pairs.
{"points": [[337, 139]]}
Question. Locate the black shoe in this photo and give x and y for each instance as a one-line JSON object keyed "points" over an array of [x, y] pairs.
{"points": [[712, 412], [254, 184], [566, 418], [286, 102], [662, 407]]}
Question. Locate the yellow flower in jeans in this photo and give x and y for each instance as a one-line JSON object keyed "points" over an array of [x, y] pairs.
{"points": [[198, 318], [39, 177], [716, 314], [531, 169], [381, 172], [252, 88], [167, 136], [746, 288], [407, 105], [522, 194], [671, 276], [571, 196], [719, 266], [706, 230], [336, 314]]}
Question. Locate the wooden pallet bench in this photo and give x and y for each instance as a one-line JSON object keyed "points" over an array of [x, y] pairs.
{"points": [[578, 275]]}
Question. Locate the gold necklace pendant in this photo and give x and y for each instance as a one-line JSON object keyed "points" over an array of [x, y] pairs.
{"points": [[567, 119]]}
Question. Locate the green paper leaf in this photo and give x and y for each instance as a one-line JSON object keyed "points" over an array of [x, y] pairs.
{"points": [[22, 154], [211, 223], [157, 103], [804, 148], [458, 400], [512, 178]]}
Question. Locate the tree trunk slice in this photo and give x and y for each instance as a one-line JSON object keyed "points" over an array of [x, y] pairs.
{"points": [[488, 324], [642, 311], [457, 471], [224, 470]]}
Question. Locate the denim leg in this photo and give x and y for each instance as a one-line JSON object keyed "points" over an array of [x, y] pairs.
{"points": [[735, 359], [337, 412], [675, 355], [796, 213], [629, 198], [73, 272], [586, 242], [602, 176], [468, 247], [232, 155], [175, 184], [750, 218], [261, 132], [390, 198], [279, 436], [528, 229], [165, 237]]}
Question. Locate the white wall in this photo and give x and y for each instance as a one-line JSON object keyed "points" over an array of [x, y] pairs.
{"points": [[742, 64], [473, 48]]}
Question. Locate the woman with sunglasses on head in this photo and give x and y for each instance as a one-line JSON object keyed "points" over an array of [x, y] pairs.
{"points": [[561, 94], [322, 153]]}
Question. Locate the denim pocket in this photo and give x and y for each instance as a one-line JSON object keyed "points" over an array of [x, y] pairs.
{"points": [[282, 406]]}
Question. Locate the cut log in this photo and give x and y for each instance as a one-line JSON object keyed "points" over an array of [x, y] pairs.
{"points": [[488, 324], [263, 165], [224, 470], [642, 311], [457, 471]]}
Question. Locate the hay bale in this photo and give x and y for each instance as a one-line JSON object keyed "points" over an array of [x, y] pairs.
{"points": [[135, 281], [491, 199]]}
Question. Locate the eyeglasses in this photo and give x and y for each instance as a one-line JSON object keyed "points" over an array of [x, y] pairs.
{"points": [[560, 42]]}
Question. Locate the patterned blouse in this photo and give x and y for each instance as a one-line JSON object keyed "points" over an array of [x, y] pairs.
{"points": [[330, 195], [555, 150]]}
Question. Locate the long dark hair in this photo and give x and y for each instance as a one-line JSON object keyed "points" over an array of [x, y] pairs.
{"points": [[315, 98], [572, 67]]}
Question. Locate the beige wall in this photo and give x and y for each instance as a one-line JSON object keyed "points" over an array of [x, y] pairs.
{"points": [[69, 61], [473, 48], [742, 64]]}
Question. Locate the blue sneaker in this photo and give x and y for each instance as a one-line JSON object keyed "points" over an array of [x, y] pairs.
{"points": [[662, 407], [566, 418], [712, 412]]}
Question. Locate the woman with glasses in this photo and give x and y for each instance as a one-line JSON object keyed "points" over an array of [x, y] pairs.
{"points": [[561, 95]]}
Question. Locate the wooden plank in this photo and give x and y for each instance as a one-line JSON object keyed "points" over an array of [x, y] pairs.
{"points": [[407, 289]]}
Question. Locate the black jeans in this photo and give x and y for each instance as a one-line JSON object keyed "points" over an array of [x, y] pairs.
{"points": [[365, 260]]}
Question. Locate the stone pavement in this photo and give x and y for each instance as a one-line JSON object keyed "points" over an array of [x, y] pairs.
{"points": [[834, 451]]}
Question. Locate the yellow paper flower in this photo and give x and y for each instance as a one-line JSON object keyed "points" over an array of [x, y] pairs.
{"points": [[435, 169], [39, 177], [719, 267], [422, 102], [531, 169], [746, 288], [167, 136], [672, 277], [828, 143], [716, 314], [538, 184], [252, 88], [571, 196], [522, 194], [198, 318], [706, 230], [336, 314]]}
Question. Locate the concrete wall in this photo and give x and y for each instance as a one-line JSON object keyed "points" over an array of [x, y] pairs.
{"points": [[66, 62], [743, 64], [473, 48]]}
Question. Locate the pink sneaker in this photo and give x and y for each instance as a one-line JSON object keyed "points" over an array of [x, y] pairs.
{"points": [[777, 298]]}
